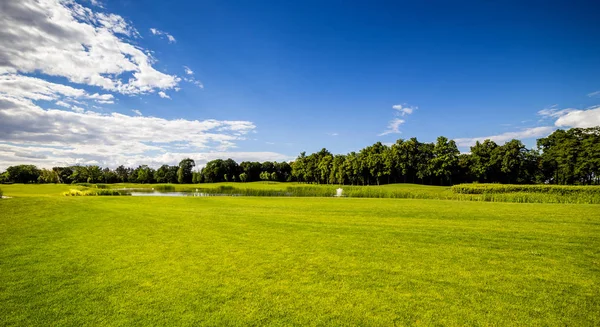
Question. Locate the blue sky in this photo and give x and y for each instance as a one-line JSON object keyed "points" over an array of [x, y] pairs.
{"points": [[307, 75]]}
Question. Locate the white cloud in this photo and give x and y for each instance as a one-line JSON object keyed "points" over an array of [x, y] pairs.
{"points": [[96, 3], [194, 81], [48, 157], [169, 37], [62, 104], [89, 137], [65, 39], [594, 94], [87, 50], [553, 112], [191, 79], [393, 127], [333, 134], [579, 118], [563, 118], [505, 137], [403, 110], [39, 89], [163, 95], [394, 124], [77, 109], [571, 117]]}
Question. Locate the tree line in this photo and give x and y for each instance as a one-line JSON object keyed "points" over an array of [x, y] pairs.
{"points": [[564, 157]]}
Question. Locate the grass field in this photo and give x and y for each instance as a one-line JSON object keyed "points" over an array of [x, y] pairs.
{"points": [[254, 261]]}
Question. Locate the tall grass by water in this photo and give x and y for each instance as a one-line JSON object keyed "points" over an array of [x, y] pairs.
{"points": [[463, 192], [529, 193], [92, 192], [477, 192]]}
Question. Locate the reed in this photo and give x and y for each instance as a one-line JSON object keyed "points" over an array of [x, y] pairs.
{"points": [[528, 193], [92, 192]]}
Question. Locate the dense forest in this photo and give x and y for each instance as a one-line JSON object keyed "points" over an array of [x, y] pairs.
{"points": [[564, 157]]}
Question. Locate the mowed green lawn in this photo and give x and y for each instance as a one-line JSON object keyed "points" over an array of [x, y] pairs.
{"points": [[253, 261]]}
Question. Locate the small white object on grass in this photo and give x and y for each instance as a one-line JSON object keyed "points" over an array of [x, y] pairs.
{"points": [[338, 192]]}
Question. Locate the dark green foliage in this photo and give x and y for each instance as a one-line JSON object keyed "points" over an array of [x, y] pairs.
{"points": [[184, 173], [166, 174], [23, 174], [4, 178], [86, 174], [122, 173], [571, 157], [144, 174]]}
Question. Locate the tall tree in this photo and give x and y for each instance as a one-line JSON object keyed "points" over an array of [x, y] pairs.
{"points": [[445, 159], [184, 173]]}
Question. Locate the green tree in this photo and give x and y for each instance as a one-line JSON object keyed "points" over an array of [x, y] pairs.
{"points": [[184, 173], [484, 163], [445, 159], [23, 173], [48, 176], [145, 174]]}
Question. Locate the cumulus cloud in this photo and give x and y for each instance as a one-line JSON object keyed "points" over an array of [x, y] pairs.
{"points": [[169, 37], [571, 117], [394, 124], [109, 139], [579, 118], [65, 39], [47, 123], [188, 70]]}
